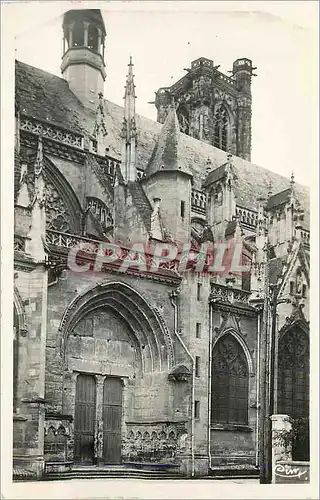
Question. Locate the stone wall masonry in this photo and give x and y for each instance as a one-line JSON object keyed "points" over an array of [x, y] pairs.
{"points": [[148, 396], [172, 188], [22, 221], [28, 430], [192, 311], [74, 174]]}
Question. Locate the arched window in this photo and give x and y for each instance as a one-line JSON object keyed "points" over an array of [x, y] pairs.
{"points": [[78, 34], [93, 38], [229, 383], [293, 374], [183, 117], [221, 128]]}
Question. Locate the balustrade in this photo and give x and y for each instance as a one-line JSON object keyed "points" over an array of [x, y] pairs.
{"points": [[198, 201], [52, 132], [227, 294], [95, 247], [247, 216]]}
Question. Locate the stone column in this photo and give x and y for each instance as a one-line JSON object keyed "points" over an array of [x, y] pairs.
{"points": [[279, 451], [71, 25], [85, 36], [69, 392], [99, 40], [201, 126], [68, 407], [98, 441]]}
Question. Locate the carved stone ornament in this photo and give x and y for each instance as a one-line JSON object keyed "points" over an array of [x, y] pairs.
{"points": [[180, 374]]}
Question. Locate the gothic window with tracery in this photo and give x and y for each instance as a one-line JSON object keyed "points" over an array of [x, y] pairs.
{"points": [[230, 381], [57, 213], [293, 374], [221, 128]]}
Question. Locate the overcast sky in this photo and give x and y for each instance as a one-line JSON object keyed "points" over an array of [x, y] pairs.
{"points": [[164, 37]]}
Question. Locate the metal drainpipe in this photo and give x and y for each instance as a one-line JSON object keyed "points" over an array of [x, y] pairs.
{"points": [[174, 305], [209, 389], [258, 390]]}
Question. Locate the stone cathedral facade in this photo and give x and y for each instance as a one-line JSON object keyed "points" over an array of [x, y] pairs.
{"points": [[148, 367]]}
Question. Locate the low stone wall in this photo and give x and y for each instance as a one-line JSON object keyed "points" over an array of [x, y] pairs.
{"points": [[153, 442], [58, 438]]}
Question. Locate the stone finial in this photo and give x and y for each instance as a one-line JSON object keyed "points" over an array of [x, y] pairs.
{"points": [[292, 181], [38, 166], [100, 129]]}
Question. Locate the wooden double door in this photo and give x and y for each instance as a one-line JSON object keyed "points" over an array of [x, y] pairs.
{"points": [[85, 421]]}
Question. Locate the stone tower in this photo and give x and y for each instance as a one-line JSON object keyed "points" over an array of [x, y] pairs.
{"points": [[83, 54], [211, 106]]}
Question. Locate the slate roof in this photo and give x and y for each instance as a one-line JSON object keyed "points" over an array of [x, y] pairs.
{"points": [[167, 153], [141, 202], [215, 174], [279, 199], [47, 97]]}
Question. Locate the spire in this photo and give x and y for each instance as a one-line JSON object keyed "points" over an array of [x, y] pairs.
{"points": [[100, 129], [167, 154], [129, 129]]}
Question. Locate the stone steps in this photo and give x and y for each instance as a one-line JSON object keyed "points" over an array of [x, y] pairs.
{"points": [[111, 472], [234, 471]]}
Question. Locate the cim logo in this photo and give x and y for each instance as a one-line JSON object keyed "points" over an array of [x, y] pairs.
{"points": [[292, 473]]}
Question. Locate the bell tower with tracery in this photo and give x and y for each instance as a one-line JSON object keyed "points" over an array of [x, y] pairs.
{"points": [[211, 106]]}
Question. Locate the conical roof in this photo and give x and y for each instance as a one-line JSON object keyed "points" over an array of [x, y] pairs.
{"points": [[168, 152]]}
